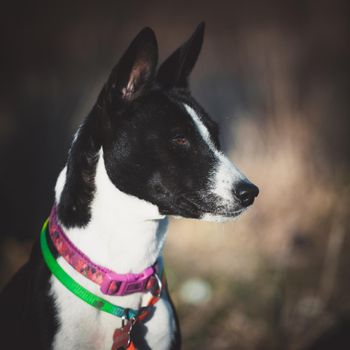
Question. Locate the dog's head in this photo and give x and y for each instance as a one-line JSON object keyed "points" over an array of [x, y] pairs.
{"points": [[159, 144]]}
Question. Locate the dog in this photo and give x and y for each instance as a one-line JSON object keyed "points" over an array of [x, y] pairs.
{"points": [[146, 151]]}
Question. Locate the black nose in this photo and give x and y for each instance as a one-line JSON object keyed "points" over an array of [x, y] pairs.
{"points": [[246, 193]]}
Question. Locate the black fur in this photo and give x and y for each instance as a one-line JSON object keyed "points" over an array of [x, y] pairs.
{"points": [[27, 312], [177, 68], [137, 120], [151, 150], [78, 192]]}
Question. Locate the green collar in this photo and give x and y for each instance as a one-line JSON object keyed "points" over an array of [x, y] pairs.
{"points": [[76, 288]]}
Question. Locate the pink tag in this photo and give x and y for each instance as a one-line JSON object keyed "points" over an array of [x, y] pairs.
{"points": [[121, 337]]}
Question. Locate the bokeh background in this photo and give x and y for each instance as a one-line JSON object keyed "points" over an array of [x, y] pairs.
{"points": [[276, 76]]}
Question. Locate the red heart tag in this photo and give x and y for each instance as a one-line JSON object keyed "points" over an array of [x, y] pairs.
{"points": [[121, 337]]}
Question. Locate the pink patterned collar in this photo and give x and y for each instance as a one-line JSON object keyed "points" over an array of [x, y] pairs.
{"points": [[111, 283]]}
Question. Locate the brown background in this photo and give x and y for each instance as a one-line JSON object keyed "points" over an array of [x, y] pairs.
{"points": [[275, 74]]}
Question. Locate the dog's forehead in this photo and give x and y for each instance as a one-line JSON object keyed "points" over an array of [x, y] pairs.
{"points": [[199, 119], [161, 113], [187, 113]]}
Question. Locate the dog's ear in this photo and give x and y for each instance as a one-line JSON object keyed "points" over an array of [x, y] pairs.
{"points": [[175, 70], [135, 70]]}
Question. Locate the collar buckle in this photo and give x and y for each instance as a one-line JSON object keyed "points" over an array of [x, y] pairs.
{"points": [[119, 285]]}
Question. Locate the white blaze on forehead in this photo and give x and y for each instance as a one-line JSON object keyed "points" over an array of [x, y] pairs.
{"points": [[201, 127], [224, 174]]}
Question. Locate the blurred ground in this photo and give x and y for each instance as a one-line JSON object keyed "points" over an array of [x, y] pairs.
{"points": [[277, 273], [276, 76]]}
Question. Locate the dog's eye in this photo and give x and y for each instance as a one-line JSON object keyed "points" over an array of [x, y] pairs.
{"points": [[181, 140]]}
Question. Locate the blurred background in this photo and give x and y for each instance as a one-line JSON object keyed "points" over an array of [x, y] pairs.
{"points": [[276, 76]]}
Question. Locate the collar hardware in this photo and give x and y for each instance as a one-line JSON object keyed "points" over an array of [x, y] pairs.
{"points": [[110, 282], [84, 294], [114, 284]]}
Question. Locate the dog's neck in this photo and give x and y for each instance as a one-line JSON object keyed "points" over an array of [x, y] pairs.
{"points": [[124, 233]]}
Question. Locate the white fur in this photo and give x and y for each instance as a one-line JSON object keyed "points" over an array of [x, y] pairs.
{"points": [[125, 234], [76, 134], [224, 175], [61, 180], [220, 218]]}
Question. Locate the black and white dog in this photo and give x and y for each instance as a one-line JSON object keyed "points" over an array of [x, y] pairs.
{"points": [[146, 151]]}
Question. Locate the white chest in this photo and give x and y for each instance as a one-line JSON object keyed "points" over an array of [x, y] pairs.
{"points": [[82, 327], [126, 235]]}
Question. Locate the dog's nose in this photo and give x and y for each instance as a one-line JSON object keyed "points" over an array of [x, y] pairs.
{"points": [[246, 192]]}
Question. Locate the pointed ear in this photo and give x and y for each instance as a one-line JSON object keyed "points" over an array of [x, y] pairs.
{"points": [[135, 69], [175, 70]]}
